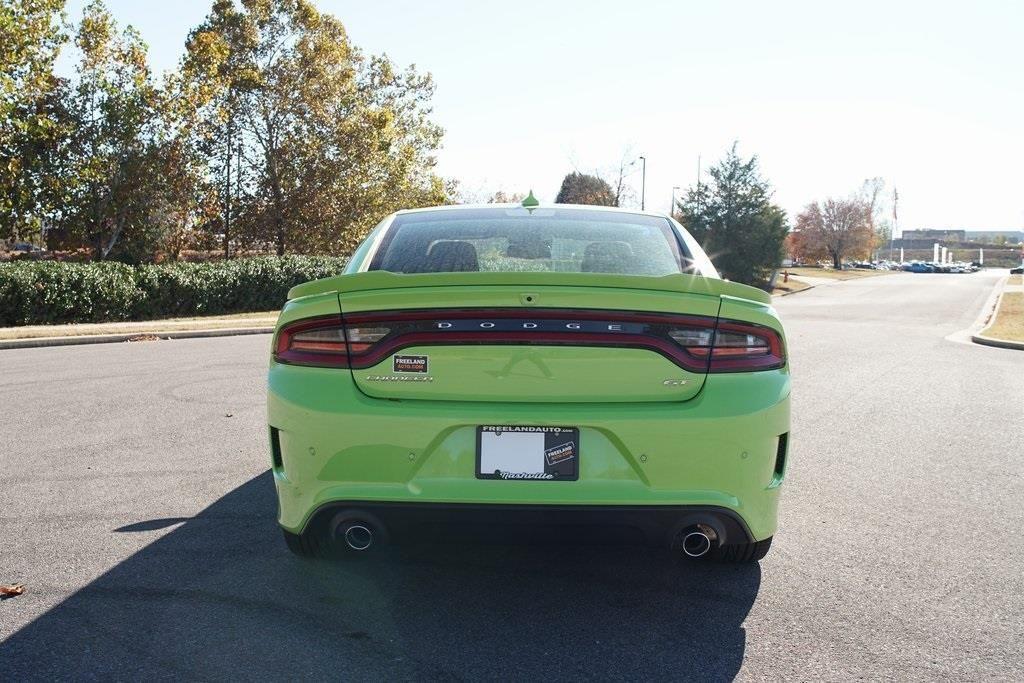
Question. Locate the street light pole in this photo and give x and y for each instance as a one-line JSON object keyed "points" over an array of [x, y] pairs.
{"points": [[698, 182], [643, 182], [892, 229]]}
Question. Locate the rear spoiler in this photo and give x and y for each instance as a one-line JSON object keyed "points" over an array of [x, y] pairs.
{"points": [[679, 282]]}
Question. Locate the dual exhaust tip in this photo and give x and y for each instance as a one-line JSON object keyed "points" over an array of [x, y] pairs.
{"points": [[356, 534], [698, 540], [358, 537]]}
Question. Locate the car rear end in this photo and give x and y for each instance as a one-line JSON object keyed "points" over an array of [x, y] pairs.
{"points": [[559, 366]]}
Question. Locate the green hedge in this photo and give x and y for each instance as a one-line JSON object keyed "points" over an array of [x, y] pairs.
{"points": [[42, 292]]}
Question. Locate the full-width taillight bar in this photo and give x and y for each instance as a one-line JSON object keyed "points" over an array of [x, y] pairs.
{"points": [[697, 344]]}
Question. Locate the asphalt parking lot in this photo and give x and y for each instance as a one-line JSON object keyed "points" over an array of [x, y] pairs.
{"points": [[138, 510]]}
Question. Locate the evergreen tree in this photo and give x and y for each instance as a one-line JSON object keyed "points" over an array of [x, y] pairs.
{"points": [[733, 217]]}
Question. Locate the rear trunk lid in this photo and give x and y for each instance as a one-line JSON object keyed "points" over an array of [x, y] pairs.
{"points": [[529, 337]]}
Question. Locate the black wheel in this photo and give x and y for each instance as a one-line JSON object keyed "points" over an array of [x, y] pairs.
{"points": [[303, 545], [744, 552]]}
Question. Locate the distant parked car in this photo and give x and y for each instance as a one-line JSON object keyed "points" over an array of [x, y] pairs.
{"points": [[920, 268], [1017, 271], [27, 248]]}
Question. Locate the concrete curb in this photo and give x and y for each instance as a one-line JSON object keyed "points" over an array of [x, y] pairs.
{"points": [[1001, 343], [799, 291], [979, 338], [965, 336], [36, 342]]}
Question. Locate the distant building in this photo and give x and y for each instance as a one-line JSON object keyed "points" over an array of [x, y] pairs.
{"points": [[1011, 236], [924, 239], [936, 235]]}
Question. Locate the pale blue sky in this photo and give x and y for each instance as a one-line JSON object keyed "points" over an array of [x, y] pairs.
{"points": [[928, 95]]}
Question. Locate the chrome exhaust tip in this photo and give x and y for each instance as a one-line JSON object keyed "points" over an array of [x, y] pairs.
{"points": [[358, 536], [357, 531], [696, 544]]}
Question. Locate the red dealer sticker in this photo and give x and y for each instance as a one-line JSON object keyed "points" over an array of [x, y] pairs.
{"points": [[557, 454], [410, 363]]}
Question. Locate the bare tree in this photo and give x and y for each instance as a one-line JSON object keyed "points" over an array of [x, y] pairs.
{"points": [[616, 176], [502, 197], [871, 193], [837, 227], [622, 190]]}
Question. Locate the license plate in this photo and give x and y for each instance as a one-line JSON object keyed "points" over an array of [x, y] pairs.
{"points": [[523, 452]]}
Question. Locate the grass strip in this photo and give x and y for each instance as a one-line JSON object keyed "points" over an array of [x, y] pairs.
{"points": [[838, 274], [1008, 323]]}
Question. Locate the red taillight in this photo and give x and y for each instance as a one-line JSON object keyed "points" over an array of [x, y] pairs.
{"points": [[330, 340], [315, 341], [324, 342], [362, 337], [694, 343], [743, 347]]}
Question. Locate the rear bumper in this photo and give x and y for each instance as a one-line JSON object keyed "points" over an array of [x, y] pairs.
{"points": [[333, 446], [654, 525]]}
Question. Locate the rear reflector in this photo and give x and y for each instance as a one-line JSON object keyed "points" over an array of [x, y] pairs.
{"points": [[696, 344], [275, 449], [780, 454]]}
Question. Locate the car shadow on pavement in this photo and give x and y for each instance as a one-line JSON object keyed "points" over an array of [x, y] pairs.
{"points": [[220, 597]]}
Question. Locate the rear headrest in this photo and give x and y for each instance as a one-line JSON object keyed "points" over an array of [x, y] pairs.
{"points": [[531, 249], [451, 256], [607, 257]]}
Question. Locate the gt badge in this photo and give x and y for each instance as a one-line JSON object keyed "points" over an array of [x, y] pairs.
{"points": [[410, 363]]}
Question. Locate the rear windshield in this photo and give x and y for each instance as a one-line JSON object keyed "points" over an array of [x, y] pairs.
{"points": [[538, 240]]}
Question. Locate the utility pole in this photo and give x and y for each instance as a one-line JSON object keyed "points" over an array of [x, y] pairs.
{"points": [[227, 195], [672, 205], [238, 170], [643, 182], [892, 231], [698, 182]]}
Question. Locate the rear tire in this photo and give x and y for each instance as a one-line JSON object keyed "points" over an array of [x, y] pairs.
{"points": [[744, 552], [302, 545]]}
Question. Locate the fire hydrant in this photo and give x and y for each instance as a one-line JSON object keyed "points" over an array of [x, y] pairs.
{"points": [[785, 276]]}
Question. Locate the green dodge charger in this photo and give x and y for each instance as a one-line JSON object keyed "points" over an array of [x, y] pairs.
{"points": [[527, 367]]}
